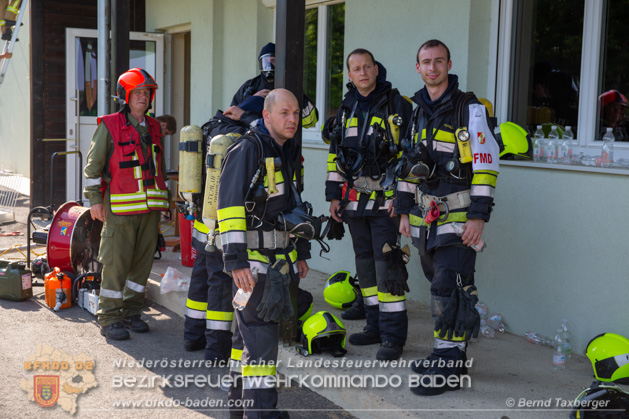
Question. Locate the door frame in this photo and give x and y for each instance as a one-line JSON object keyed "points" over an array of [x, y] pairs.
{"points": [[74, 122]]}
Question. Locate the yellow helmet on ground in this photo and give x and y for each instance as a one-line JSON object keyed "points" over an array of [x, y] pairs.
{"points": [[323, 332], [609, 355], [339, 290]]}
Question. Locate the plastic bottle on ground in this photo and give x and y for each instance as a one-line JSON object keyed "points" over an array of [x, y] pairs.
{"points": [[487, 331], [495, 322], [565, 334], [559, 357]]}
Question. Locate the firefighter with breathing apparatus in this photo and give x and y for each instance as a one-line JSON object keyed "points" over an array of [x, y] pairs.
{"points": [[360, 187], [447, 174]]}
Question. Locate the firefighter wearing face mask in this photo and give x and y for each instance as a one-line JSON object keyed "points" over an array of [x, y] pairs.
{"points": [[247, 104], [257, 189], [363, 144], [448, 177]]}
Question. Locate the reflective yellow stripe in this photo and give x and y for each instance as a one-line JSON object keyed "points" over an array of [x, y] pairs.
{"points": [[331, 162], [255, 255], [454, 338], [225, 316], [386, 297], [415, 220], [196, 305], [127, 197], [440, 135], [199, 226], [458, 217], [232, 224], [231, 212], [258, 370], [351, 123], [310, 120], [292, 254], [236, 354], [368, 292], [485, 178]]}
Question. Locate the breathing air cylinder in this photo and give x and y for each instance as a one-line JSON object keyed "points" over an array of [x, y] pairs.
{"points": [[216, 153], [190, 161]]}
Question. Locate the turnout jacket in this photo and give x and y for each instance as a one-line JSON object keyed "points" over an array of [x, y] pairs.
{"points": [[239, 167], [364, 133], [434, 125], [253, 105]]}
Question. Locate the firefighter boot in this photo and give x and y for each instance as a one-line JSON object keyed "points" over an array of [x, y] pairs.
{"points": [[115, 331], [389, 351], [356, 311], [135, 324], [444, 373], [437, 304]]}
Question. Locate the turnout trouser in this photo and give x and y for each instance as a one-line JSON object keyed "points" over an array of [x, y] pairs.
{"points": [[209, 311], [386, 313], [259, 340], [127, 247]]}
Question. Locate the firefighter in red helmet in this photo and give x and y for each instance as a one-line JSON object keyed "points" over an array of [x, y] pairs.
{"points": [[126, 187]]}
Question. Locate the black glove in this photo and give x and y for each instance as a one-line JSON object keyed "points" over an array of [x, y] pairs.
{"points": [[288, 311], [397, 275], [447, 321], [336, 231], [272, 302], [467, 319]]}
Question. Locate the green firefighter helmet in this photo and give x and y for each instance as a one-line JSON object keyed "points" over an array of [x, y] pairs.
{"points": [[517, 143], [609, 355], [323, 332], [339, 291]]}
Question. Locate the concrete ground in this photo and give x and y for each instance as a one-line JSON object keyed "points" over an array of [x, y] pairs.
{"points": [[509, 377]]}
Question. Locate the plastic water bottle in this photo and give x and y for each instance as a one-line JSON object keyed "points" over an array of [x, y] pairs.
{"points": [[537, 339], [607, 153], [458, 230], [482, 310], [565, 334], [567, 146], [553, 145], [487, 331], [241, 299], [495, 322], [538, 146], [559, 357]]}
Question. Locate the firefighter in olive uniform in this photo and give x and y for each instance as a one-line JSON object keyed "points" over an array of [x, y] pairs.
{"points": [[452, 159], [362, 147], [260, 258], [126, 188]]}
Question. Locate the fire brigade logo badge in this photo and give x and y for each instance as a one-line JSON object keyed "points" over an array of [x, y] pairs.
{"points": [[64, 231], [46, 389], [481, 137]]}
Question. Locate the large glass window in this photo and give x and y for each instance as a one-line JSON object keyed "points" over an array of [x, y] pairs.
{"points": [[323, 60], [546, 63], [614, 83]]}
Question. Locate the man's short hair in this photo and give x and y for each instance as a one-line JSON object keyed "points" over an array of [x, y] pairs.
{"points": [[431, 44], [171, 122], [359, 51]]}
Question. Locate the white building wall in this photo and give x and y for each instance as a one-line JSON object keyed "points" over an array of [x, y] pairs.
{"points": [[15, 105]]}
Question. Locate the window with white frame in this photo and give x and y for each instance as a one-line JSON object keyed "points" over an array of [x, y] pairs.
{"points": [[564, 62], [324, 62]]}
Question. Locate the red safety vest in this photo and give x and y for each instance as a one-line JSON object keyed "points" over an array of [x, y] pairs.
{"points": [[137, 185]]}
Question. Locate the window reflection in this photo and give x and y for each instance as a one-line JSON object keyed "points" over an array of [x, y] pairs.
{"points": [[547, 63], [614, 85]]}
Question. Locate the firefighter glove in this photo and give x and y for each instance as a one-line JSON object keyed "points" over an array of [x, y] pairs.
{"points": [[446, 322], [272, 302], [288, 311], [397, 275], [467, 319], [337, 231]]}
